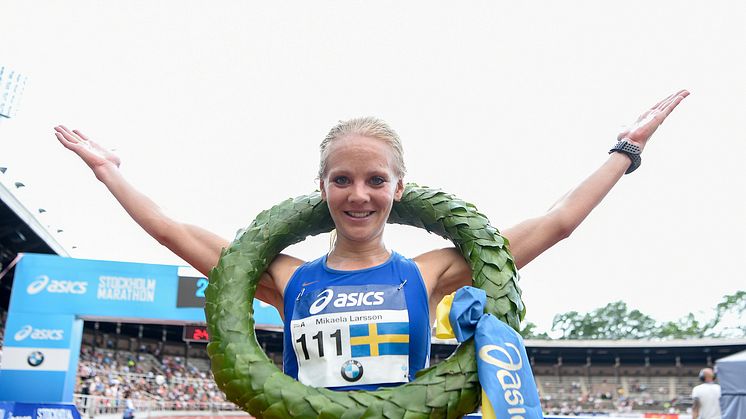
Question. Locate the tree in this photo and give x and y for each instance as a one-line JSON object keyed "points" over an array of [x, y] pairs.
{"points": [[730, 316], [614, 321], [529, 332], [685, 328], [617, 321]]}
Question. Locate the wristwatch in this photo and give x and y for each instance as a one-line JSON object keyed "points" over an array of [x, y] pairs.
{"points": [[632, 151]]}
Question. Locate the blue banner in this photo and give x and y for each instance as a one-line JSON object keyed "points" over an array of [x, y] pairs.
{"points": [[52, 294], [38, 411], [122, 291], [502, 364]]}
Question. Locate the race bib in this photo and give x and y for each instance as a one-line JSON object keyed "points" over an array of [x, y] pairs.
{"points": [[351, 335]]}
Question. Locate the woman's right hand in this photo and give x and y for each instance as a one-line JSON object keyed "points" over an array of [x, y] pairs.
{"points": [[95, 156]]}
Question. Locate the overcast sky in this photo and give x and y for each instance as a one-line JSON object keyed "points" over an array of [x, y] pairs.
{"points": [[217, 110]]}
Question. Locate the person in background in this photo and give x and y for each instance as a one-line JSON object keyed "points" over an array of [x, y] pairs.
{"points": [[706, 396]]}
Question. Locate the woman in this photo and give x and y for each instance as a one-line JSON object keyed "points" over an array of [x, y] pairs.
{"points": [[360, 282]]}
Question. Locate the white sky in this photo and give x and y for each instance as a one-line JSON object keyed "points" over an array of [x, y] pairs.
{"points": [[217, 109]]}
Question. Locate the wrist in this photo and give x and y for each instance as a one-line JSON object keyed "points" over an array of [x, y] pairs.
{"points": [[632, 150], [104, 172]]}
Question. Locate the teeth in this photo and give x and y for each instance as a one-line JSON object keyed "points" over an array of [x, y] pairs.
{"points": [[359, 214]]}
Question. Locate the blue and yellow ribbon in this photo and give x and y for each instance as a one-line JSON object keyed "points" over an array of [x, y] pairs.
{"points": [[508, 386]]}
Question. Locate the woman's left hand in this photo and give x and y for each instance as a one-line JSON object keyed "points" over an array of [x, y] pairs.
{"points": [[641, 131]]}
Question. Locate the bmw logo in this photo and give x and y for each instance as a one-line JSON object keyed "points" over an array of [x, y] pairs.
{"points": [[35, 358], [352, 371]]}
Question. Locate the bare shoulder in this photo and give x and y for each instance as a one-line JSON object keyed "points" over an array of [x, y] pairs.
{"points": [[281, 269], [272, 283], [443, 270]]}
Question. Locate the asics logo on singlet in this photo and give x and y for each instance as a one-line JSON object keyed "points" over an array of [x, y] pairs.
{"points": [[324, 298], [351, 299]]}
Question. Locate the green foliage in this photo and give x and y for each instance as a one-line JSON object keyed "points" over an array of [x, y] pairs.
{"points": [[529, 332], [617, 321], [733, 306], [614, 321], [249, 379]]}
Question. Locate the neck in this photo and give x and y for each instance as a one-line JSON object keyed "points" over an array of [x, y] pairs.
{"points": [[351, 256]]}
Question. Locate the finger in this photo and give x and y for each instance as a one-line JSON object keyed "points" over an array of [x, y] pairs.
{"points": [[656, 106], [66, 134], [64, 141], [80, 134], [73, 133], [669, 100], [65, 129], [674, 103]]}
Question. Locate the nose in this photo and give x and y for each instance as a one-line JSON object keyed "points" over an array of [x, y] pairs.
{"points": [[358, 193]]}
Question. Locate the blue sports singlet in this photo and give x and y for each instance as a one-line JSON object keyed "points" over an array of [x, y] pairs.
{"points": [[356, 330]]}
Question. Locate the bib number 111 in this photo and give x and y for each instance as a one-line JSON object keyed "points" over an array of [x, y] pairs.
{"points": [[318, 337]]}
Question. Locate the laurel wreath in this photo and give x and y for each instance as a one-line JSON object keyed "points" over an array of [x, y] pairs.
{"points": [[251, 380]]}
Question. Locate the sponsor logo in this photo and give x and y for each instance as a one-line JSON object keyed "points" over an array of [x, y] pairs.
{"points": [[23, 333], [357, 299], [56, 286], [350, 299], [119, 288], [352, 371], [35, 358], [38, 334], [324, 299], [38, 285], [47, 413], [507, 375]]}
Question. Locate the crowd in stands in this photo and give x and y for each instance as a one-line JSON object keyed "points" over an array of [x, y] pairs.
{"points": [[146, 375], [576, 396], [111, 374]]}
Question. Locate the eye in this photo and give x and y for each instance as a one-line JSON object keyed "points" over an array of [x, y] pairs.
{"points": [[377, 180], [341, 180]]}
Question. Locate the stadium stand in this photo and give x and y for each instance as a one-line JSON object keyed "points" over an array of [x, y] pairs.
{"points": [[614, 376]]}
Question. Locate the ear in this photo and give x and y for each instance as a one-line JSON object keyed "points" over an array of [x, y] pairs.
{"points": [[399, 190], [322, 189]]}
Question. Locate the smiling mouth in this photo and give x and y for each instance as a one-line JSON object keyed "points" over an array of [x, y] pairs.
{"points": [[359, 214]]}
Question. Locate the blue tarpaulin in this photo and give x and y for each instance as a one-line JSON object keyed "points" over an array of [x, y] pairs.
{"points": [[731, 374]]}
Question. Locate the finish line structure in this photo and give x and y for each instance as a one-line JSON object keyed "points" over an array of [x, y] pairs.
{"points": [[53, 295]]}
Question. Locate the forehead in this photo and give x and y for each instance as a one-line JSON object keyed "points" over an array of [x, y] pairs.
{"points": [[358, 151]]}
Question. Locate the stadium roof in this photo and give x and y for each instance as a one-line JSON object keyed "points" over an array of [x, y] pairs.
{"points": [[637, 343], [654, 352], [20, 232]]}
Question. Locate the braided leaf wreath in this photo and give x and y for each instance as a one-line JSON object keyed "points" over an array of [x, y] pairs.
{"points": [[250, 379]]}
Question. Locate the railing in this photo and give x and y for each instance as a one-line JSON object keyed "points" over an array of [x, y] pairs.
{"points": [[90, 406]]}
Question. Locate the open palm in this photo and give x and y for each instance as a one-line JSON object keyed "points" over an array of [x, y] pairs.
{"points": [[651, 119], [92, 154]]}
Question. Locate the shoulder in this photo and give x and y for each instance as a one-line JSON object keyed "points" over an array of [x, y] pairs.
{"points": [[443, 270], [437, 260], [282, 269]]}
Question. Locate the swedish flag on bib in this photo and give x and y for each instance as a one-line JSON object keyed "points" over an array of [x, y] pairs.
{"points": [[508, 386], [376, 339]]}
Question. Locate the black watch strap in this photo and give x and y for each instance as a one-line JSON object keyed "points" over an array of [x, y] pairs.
{"points": [[632, 151]]}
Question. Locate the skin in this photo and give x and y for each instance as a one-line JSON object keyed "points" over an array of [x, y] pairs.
{"points": [[360, 186]]}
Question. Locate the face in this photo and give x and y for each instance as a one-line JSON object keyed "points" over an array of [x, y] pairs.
{"points": [[360, 186]]}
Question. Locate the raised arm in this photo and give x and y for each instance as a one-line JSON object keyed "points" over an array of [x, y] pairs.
{"points": [[532, 237], [198, 247], [445, 270]]}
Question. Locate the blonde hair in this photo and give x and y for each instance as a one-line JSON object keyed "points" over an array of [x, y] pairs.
{"points": [[367, 126]]}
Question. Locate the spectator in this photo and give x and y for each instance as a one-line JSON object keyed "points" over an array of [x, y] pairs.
{"points": [[706, 396]]}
